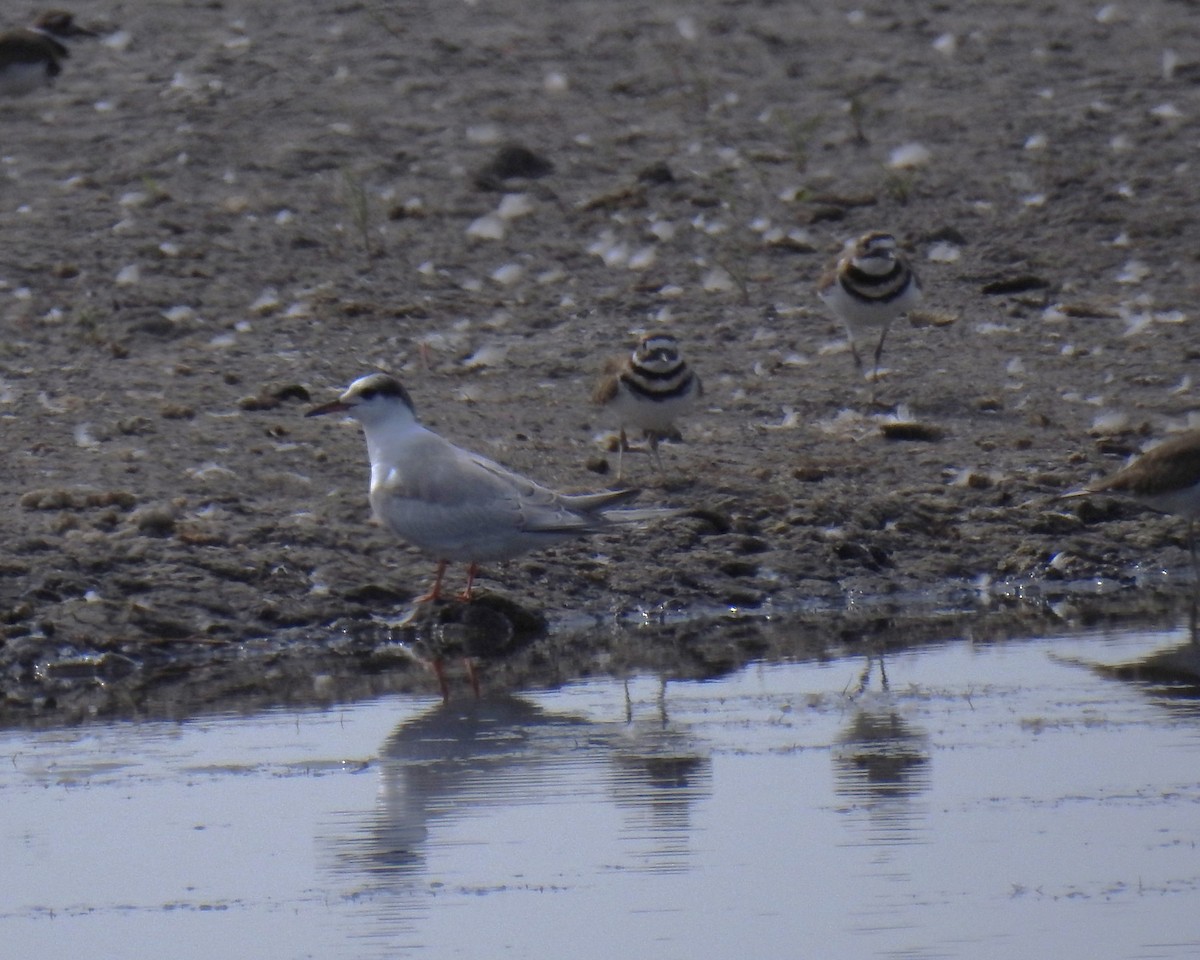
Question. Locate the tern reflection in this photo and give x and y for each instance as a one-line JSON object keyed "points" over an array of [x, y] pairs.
{"points": [[881, 764], [458, 760]]}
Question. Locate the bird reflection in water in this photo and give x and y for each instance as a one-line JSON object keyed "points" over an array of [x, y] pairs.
{"points": [[881, 765], [1172, 672], [457, 760], [657, 775]]}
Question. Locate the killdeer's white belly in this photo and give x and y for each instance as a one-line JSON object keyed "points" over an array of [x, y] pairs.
{"points": [[857, 312], [21, 78], [645, 413]]}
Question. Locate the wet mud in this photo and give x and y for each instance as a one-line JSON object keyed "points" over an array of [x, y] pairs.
{"points": [[220, 216]]}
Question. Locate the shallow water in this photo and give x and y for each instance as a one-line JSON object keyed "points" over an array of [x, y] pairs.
{"points": [[1003, 800]]}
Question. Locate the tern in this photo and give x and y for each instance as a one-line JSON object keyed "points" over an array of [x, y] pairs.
{"points": [[455, 505]]}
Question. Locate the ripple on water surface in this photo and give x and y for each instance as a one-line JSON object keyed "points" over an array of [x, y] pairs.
{"points": [[1023, 798]]}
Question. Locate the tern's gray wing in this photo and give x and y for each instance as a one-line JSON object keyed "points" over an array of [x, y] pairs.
{"points": [[542, 510], [439, 475], [458, 505]]}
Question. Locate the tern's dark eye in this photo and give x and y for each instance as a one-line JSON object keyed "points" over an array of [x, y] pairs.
{"points": [[369, 394]]}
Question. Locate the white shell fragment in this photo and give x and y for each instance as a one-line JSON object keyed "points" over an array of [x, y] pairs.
{"points": [[488, 227], [179, 314], [1134, 271], [507, 274], [909, 156], [946, 44], [717, 280], [486, 356], [943, 252], [643, 258], [268, 302], [514, 205]]}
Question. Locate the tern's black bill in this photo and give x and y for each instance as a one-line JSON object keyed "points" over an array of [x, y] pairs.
{"points": [[334, 406]]}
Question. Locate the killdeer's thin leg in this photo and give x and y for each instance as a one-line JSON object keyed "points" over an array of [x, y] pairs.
{"points": [[875, 370], [858, 364], [879, 350], [652, 438], [622, 443]]}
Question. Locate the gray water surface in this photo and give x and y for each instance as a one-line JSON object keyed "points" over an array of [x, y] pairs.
{"points": [[1006, 800]]}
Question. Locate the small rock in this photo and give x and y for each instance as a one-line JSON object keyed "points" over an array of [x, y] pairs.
{"points": [[511, 161], [656, 173], [910, 430], [154, 521], [1020, 283]]}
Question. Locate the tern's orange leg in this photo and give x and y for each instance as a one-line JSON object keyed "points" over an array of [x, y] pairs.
{"points": [[435, 591], [425, 354], [472, 570], [438, 666]]}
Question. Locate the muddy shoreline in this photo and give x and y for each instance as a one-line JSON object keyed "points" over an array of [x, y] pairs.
{"points": [[350, 660], [222, 217]]}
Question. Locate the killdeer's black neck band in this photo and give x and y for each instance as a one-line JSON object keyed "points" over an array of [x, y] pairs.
{"points": [[647, 374], [869, 288], [658, 395]]}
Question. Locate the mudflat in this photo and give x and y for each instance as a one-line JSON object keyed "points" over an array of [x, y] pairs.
{"points": [[222, 214]]}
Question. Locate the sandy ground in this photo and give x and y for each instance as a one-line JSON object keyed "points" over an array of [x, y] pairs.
{"points": [[224, 213]]}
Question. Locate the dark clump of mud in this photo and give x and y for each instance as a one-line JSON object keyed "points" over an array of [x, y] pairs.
{"points": [[214, 220]]}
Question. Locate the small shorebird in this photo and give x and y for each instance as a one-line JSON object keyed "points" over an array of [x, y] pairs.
{"points": [[649, 391], [1165, 478], [871, 285], [31, 57], [455, 505]]}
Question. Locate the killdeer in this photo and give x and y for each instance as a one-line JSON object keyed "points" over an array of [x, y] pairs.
{"points": [[871, 285], [455, 505], [1166, 478], [648, 391], [31, 57]]}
